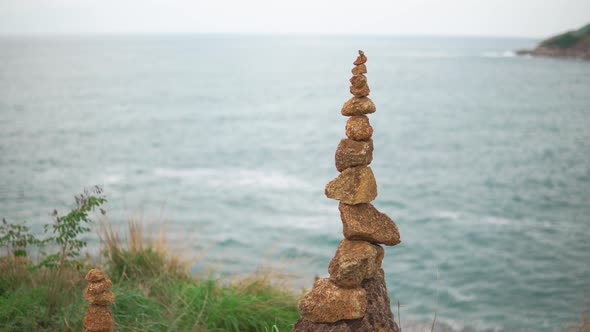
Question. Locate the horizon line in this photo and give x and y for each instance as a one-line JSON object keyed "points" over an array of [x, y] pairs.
{"points": [[318, 34]]}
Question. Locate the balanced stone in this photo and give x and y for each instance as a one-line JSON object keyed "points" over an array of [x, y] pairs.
{"points": [[362, 91], [378, 316], [358, 128], [328, 303], [95, 275], [353, 153], [360, 69], [354, 185], [365, 222], [361, 59], [98, 319], [354, 262], [105, 298], [358, 106], [358, 81]]}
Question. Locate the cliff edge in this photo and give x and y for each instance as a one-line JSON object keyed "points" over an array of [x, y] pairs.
{"points": [[571, 44]]}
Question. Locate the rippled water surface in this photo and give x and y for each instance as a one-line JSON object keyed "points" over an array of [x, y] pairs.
{"points": [[482, 158]]}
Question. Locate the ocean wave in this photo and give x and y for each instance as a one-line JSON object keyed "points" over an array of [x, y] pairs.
{"points": [[227, 177], [505, 54]]}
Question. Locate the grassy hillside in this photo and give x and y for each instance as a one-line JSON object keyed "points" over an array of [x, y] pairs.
{"points": [[569, 39]]}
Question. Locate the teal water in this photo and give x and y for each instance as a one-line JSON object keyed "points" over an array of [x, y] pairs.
{"points": [[482, 158]]}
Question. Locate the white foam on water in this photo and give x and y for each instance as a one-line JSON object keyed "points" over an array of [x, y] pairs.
{"points": [[228, 177], [505, 54]]}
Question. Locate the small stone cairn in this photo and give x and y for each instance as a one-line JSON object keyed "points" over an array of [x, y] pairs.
{"points": [[98, 317], [354, 297]]}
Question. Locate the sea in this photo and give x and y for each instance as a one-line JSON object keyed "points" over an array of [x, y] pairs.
{"points": [[481, 157]]}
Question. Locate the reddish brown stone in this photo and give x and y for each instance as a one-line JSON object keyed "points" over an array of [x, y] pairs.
{"points": [[98, 319], [358, 106], [100, 286], [353, 153], [354, 262], [358, 81], [362, 91], [361, 59], [353, 186], [358, 128], [360, 69], [328, 303], [378, 316], [104, 299], [95, 275], [365, 222]]}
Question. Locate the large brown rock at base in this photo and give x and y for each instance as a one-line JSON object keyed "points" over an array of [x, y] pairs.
{"points": [[362, 91], [360, 69], [354, 185], [328, 303], [365, 222], [354, 262], [358, 128], [353, 153], [378, 316], [98, 319], [358, 106]]}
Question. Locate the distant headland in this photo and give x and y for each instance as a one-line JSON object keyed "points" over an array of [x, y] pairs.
{"points": [[571, 44]]}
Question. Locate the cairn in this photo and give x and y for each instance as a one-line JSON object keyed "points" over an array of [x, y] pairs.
{"points": [[98, 317], [354, 296]]}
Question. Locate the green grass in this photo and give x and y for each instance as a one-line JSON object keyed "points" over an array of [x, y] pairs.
{"points": [[153, 290]]}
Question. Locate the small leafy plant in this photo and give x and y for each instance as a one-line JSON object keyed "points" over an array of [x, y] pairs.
{"points": [[66, 229]]}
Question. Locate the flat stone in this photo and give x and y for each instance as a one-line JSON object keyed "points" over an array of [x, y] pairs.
{"points": [[328, 303], [354, 262], [358, 81], [98, 319], [105, 298], [360, 69], [354, 185], [353, 153], [358, 128], [362, 91], [99, 287], [358, 106], [365, 222], [95, 275], [378, 316]]}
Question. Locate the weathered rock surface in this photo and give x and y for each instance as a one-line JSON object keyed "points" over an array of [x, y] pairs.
{"points": [[358, 128], [98, 319], [365, 222], [358, 106], [95, 275], [378, 316], [99, 286], [354, 185], [360, 69], [361, 59], [105, 298], [353, 153], [354, 262], [328, 303], [362, 91], [358, 81]]}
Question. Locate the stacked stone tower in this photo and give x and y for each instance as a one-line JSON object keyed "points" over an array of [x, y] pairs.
{"points": [[98, 317], [354, 297]]}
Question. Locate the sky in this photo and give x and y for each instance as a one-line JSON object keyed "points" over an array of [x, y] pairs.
{"points": [[508, 18]]}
